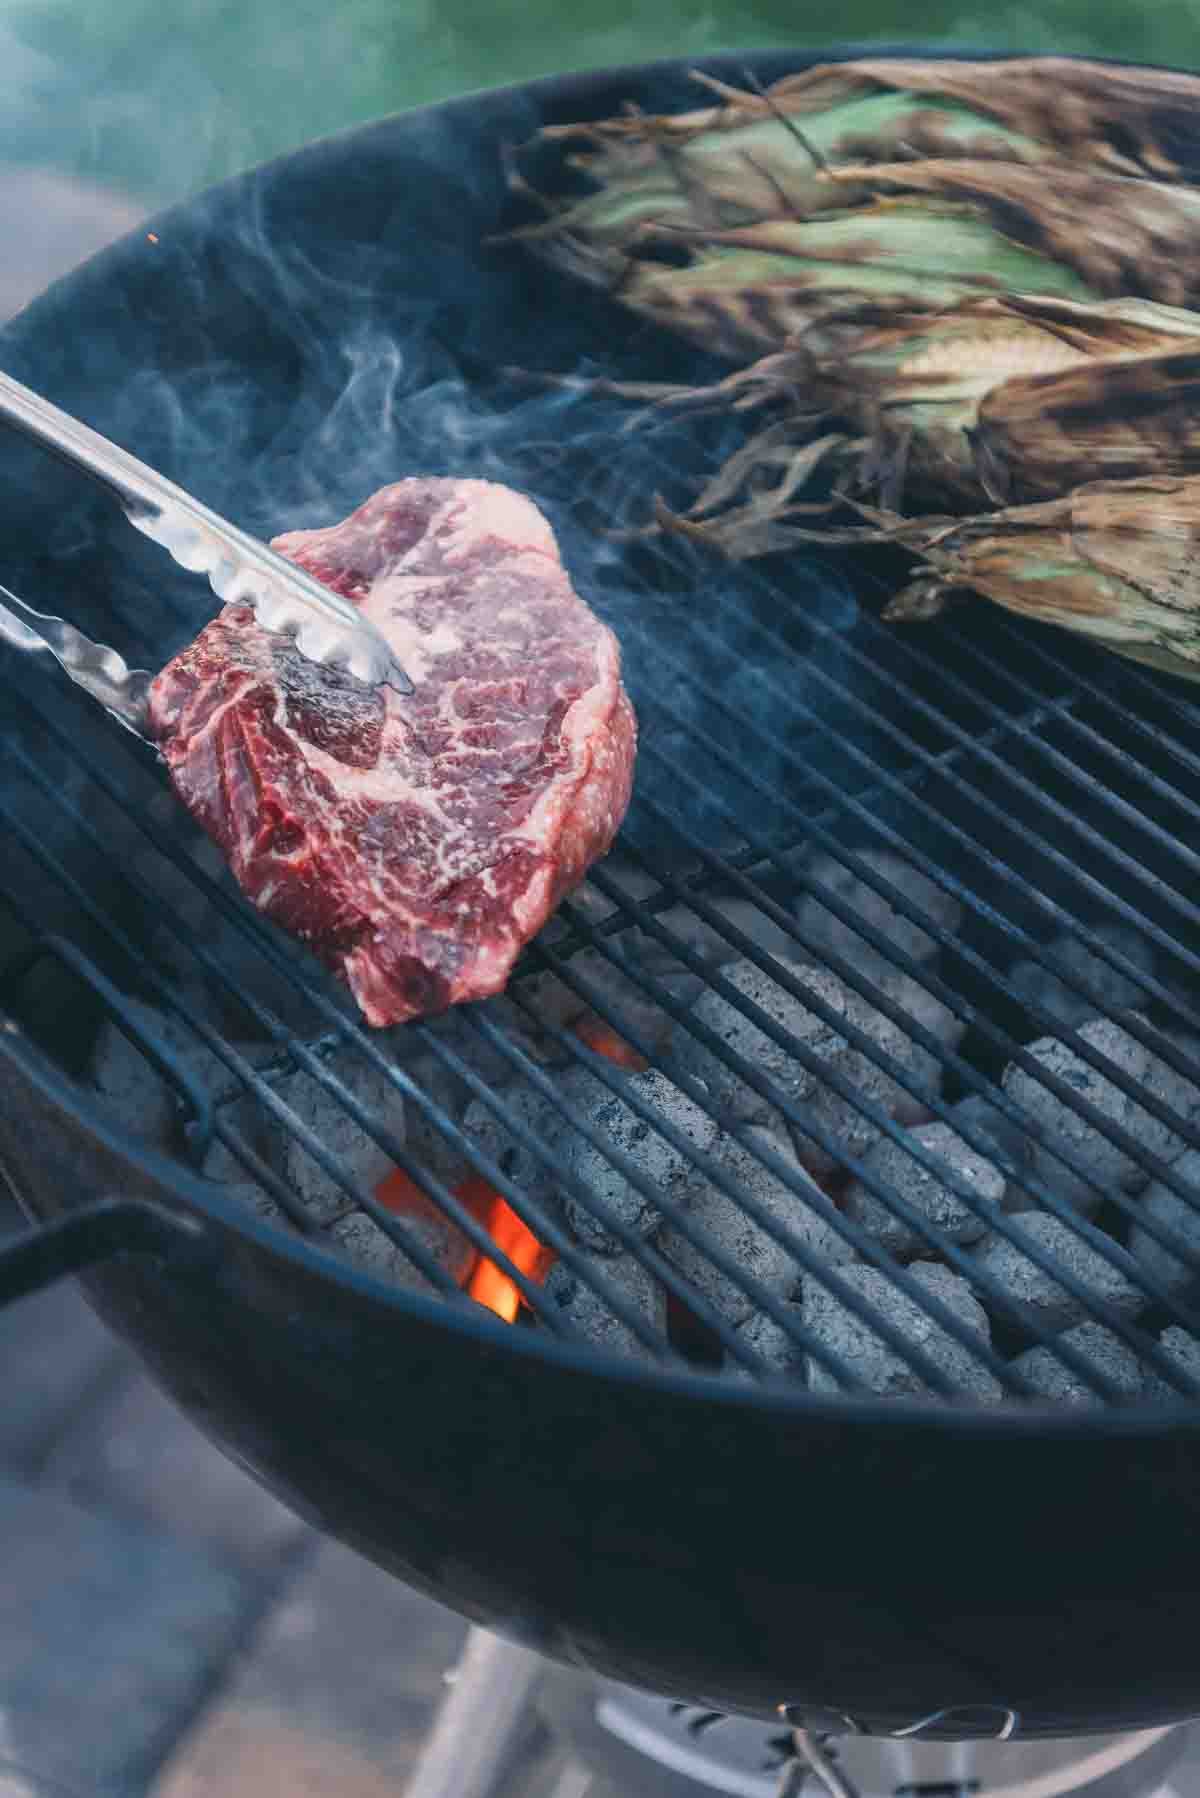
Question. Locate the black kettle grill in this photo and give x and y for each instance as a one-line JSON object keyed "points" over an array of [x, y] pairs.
{"points": [[283, 345]]}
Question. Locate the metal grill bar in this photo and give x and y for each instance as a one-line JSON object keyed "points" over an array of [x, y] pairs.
{"points": [[1159, 1168], [303, 1055], [929, 867], [679, 1218], [537, 1219], [941, 1383], [924, 764], [870, 1250], [851, 977], [1153, 1040]]}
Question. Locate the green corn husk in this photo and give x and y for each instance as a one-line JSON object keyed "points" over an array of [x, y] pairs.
{"points": [[756, 154], [883, 188], [1114, 561], [759, 155], [1102, 115], [949, 286], [1013, 399], [928, 236]]}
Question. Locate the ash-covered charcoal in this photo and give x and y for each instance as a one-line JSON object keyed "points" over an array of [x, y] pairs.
{"points": [[590, 1315], [457, 1034], [824, 931], [423, 1140], [240, 1191], [1053, 1379], [977, 1112], [579, 1087], [764, 1260], [1179, 1091], [352, 1148], [773, 1346], [1089, 986], [1176, 1214], [936, 1202], [743, 1037], [924, 1008], [360, 1239], [711, 945], [1083, 1142], [880, 1368], [138, 1097], [665, 1168], [1182, 1349], [636, 883], [537, 1005], [841, 1118], [633, 1001], [1035, 1297]]}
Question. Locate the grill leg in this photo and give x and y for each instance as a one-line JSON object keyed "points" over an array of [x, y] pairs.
{"points": [[479, 1721]]}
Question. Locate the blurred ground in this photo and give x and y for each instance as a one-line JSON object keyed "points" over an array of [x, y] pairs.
{"points": [[52, 222], [166, 1629]]}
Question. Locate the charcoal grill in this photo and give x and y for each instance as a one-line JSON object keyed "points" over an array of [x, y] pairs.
{"points": [[284, 345]]}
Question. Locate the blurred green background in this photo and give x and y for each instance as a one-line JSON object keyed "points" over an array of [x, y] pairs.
{"points": [[156, 98]]}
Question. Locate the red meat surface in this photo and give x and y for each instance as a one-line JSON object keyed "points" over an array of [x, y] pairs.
{"points": [[414, 843]]}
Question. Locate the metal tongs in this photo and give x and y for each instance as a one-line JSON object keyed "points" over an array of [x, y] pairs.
{"points": [[325, 627]]}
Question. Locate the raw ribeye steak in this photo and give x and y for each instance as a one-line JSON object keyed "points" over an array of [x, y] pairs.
{"points": [[414, 843]]}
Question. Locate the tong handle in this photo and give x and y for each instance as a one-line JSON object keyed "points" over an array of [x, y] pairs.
{"points": [[99, 670], [241, 570]]}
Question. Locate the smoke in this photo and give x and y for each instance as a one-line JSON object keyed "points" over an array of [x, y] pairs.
{"points": [[300, 339]]}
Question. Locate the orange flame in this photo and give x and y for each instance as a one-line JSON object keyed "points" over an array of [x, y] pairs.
{"points": [[403, 1196], [483, 1280], [602, 1039], [488, 1285]]}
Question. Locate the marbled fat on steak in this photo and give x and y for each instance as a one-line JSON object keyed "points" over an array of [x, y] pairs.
{"points": [[414, 843]]}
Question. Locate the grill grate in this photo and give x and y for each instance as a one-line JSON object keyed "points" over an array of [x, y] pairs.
{"points": [[1040, 788]]}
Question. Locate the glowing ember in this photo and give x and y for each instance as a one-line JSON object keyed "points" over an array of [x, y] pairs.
{"points": [[488, 1285], [483, 1280], [400, 1194], [602, 1039]]}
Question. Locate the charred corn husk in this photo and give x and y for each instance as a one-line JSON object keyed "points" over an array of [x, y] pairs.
{"points": [[950, 286], [927, 236], [754, 156], [1113, 561], [1038, 438], [1103, 115], [863, 190], [1020, 398]]}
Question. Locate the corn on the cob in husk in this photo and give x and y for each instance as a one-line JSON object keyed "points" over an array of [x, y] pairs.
{"points": [[950, 286], [1103, 115], [844, 193], [753, 155], [1114, 561], [1010, 399], [907, 238]]}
